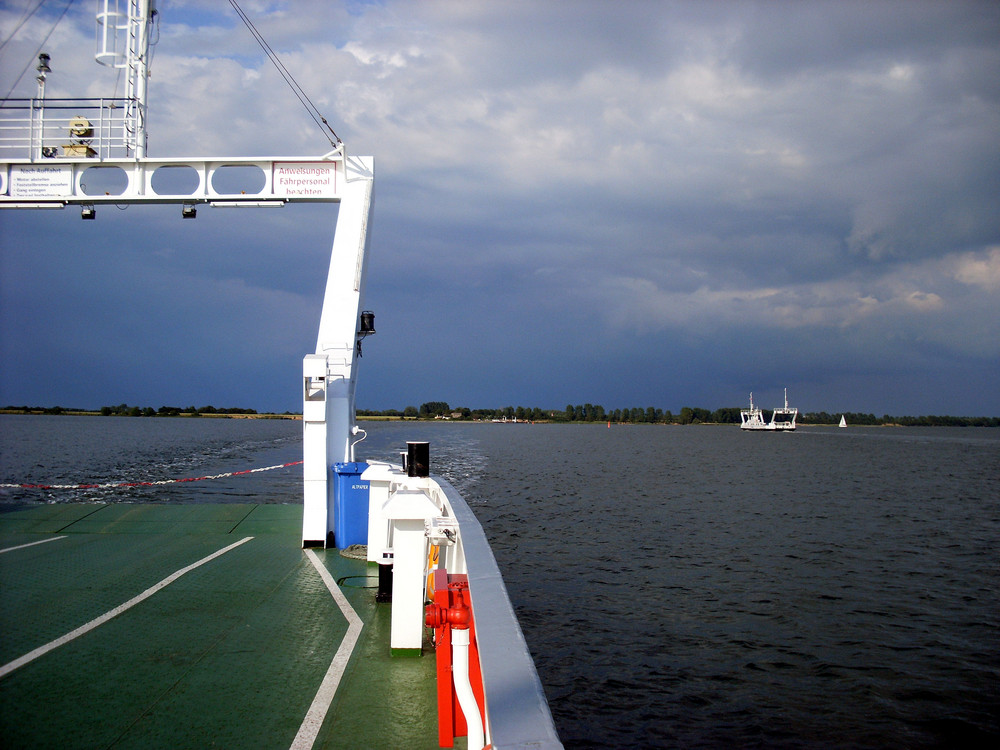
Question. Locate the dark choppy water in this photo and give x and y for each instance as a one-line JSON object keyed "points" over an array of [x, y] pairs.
{"points": [[100, 450], [678, 586]]}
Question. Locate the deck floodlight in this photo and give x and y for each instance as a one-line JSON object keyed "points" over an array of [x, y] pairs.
{"points": [[189, 211], [88, 212], [43, 64]]}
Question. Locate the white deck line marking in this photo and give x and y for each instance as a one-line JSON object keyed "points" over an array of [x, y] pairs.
{"points": [[313, 721], [110, 614], [32, 544]]}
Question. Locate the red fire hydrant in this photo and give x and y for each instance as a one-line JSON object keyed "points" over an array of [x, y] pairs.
{"points": [[450, 611]]}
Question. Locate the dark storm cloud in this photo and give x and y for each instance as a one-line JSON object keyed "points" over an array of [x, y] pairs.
{"points": [[592, 201]]}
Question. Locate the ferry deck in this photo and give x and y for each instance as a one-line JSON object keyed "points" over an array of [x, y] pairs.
{"points": [[146, 625]]}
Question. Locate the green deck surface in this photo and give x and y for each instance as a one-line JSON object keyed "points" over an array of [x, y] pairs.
{"points": [[230, 654]]}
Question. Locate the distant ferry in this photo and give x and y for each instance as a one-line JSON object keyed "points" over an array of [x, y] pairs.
{"points": [[782, 419]]}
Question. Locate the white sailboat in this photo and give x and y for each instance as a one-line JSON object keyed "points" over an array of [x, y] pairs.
{"points": [[843, 421]]}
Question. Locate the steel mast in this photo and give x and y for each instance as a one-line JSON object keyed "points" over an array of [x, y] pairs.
{"points": [[123, 43]]}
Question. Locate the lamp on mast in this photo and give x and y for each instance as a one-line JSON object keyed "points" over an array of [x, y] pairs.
{"points": [[43, 71]]}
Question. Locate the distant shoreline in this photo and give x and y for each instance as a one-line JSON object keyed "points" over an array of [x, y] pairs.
{"points": [[59, 412], [41, 412]]}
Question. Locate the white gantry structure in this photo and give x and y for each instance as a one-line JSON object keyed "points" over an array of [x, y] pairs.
{"points": [[91, 152]]}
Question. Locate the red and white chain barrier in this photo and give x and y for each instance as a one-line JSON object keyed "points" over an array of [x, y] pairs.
{"points": [[145, 484]]}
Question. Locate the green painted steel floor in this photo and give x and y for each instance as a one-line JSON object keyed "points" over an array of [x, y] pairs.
{"points": [[230, 654]]}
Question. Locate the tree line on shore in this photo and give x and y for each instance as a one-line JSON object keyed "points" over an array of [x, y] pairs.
{"points": [[578, 413], [124, 410], [653, 415]]}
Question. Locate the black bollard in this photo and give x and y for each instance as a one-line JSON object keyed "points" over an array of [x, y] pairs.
{"points": [[418, 459], [384, 592]]}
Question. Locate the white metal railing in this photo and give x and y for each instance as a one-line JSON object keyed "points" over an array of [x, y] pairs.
{"points": [[36, 130]]}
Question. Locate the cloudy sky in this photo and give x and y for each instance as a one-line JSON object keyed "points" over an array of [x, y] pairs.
{"points": [[623, 203]]}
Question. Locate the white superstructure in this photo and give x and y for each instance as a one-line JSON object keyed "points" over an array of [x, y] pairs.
{"points": [[752, 418], [782, 419]]}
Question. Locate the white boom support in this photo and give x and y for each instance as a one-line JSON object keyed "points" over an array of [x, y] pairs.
{"points": [[329, 375]]}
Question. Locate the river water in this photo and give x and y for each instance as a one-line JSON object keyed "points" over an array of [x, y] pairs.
{"points": [[678, 586]]}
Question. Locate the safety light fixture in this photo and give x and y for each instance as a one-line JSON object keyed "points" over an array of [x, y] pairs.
{"points": [[88, 212], [366, 327], [367, 324], [189, 211]]}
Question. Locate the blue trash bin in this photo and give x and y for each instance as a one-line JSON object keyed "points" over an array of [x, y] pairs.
{"points": [[350, 504]]}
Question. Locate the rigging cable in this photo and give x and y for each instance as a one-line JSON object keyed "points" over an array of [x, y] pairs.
{"points": [[301, 95], [35, 56], [25, 16]]}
